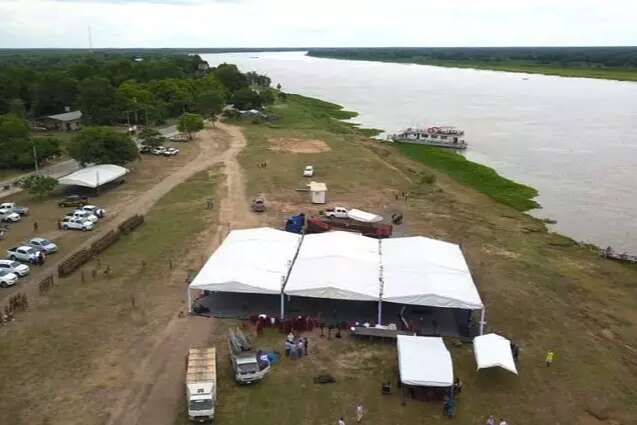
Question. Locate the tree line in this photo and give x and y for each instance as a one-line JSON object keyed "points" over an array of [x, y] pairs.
{"points": [[608, 57], [111, 89]]}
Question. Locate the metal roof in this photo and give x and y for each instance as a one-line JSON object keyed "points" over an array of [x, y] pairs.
{"points": [[67, 116]]}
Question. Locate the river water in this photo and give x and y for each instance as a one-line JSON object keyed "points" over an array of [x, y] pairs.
{"points": [[573, 139]]}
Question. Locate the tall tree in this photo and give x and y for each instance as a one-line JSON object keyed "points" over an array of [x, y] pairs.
{"points": [[54, 91], [102, 145], [209, 104], [231, 77], [246, 98], [151, 138], [190, 123], [97, 101]]}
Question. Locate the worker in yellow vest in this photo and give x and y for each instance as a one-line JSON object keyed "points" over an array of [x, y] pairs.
{"points": [[549, 358]]}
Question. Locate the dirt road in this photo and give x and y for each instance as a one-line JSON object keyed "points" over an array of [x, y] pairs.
{"points": [[157, 388]]}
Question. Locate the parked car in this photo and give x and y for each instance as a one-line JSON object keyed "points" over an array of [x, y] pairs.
{"points": [[336, 212], [73, 201], [84, 215], [11, 206], [308, 171], [43, 245], [96, 211], [9, 217], [146, 149], [170, 152], [7, 278], [74, 223], [24, 253], [14, 267], [158, 150]]}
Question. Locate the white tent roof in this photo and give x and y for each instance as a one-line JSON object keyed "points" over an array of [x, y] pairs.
{"points": [[364, 216], [336, 265], [424, 361], [249, 261], [492, 350], [94, 176], [423, 271]]}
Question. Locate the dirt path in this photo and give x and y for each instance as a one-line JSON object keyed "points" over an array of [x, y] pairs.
{"points": [[155, 392]]}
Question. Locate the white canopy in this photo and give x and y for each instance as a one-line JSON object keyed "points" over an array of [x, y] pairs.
{"points": [[423, 271], [424, 361], [336, 265], [492, 350], [94, 176], [364, 216], [249, 261]]}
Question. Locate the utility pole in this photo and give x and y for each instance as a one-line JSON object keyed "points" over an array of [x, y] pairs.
{"points": [[90, 39], [35, 159]]}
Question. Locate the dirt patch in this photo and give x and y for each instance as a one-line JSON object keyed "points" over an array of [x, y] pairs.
{"points": [[296, 145]]}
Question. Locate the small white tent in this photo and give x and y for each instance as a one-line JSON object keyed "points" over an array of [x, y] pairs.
{"points": [[424, 361], [94, 176], [492, 350]]}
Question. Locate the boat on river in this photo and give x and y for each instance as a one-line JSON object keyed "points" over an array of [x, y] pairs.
{"points": [[442, 137], [613, 255]]}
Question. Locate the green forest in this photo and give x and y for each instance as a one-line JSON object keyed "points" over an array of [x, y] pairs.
{"points": [[110, 89], [618, 63]]}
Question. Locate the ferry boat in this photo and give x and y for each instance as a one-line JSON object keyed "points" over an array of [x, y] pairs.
{"points": [[442, 137]]}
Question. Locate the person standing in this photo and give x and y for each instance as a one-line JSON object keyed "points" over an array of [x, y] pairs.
{"points": [[359, 413], [305, 345], [341, 421], [549, 358], [490, 420], [503, 422]]}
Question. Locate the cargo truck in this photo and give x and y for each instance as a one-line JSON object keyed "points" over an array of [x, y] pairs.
{"points": [[201, 383]]}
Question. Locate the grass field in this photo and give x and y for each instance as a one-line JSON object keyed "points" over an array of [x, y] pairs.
{"points": [[477, 176], [540, 289], [621, 74], [62, 362]]}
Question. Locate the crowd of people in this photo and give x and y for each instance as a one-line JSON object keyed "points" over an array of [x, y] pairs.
{"points": [[296, 346]]}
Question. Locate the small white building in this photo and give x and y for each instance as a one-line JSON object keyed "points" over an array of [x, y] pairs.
{"points": [[318, 192]]}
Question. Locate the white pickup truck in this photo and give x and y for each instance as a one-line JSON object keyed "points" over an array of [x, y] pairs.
{"points": [[76, 224], [201, 384], [23, 253], [336, 212], [12, 207], [247, 365]]}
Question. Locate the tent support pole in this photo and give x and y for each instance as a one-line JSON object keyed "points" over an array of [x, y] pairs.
{"points": [[380, 312], [482, 321], [282, 305], [189, 299]]}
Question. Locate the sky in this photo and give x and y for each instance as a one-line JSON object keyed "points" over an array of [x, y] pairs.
{"points": [[318, 23]]}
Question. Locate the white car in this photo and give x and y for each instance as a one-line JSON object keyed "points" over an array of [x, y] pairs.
{"points": [[308, 171], [9, 216], [76, 224], [14, 267], [7, 278], [43, 245], [158, 151], [170, 152], [84, 215], [96, 211]]}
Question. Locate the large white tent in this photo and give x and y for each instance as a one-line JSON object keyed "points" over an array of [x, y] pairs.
{"points": [[94, 176], [336, 265], [493, 350], [253, 261], [423, 271], [342, 266], [424, 361]]}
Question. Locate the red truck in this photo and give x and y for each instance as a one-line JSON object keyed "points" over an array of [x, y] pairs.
{"points": [[374, 230]]}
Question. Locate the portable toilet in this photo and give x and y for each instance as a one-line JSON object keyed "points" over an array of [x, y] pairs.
{"points": [[318, 192]]}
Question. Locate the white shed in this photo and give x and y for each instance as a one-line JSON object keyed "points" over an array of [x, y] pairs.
{"points": [[318, 192]]}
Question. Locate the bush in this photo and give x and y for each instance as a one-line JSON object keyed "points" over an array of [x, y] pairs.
{"points": [[102, 145], [39, 185]]}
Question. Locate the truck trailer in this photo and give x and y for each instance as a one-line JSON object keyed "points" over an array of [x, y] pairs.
{"points": [[201, 383]]}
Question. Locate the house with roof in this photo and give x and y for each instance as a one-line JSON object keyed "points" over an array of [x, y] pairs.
{"points": [[67, 121]]}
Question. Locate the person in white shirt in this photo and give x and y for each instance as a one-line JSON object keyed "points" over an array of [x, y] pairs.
{"points": [[341, 421], [491, 420], [359, 413], [503, 422]]}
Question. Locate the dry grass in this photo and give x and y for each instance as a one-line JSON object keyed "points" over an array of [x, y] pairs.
{"points": [[297, 145]]}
